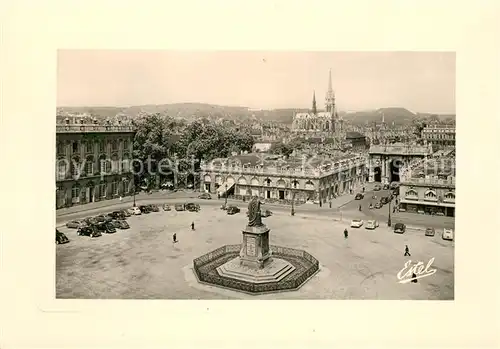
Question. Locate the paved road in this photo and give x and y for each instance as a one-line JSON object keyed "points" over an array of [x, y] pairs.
{"points": [[381, 215]]}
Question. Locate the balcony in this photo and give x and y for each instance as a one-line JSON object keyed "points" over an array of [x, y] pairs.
{"points": [[92, 128]]}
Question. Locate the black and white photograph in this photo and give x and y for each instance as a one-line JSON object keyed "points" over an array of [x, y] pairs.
{"points": [[255, 175]]}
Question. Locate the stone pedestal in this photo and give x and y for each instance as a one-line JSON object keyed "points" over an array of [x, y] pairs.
{"points": [[255, 251]]}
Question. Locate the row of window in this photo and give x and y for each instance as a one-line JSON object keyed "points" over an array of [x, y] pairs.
{"points": [[89, 146], [100, 190], [429, 194], [440, 136], [76, 168]]}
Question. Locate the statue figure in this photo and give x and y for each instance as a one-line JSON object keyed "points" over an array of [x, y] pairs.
{"points": [[254, 215]]}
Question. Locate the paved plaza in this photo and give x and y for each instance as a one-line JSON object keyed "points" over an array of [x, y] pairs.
{"points": [[144, 263]]}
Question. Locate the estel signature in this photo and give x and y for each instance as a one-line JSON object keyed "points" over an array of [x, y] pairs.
{"points": [[405, 274]]}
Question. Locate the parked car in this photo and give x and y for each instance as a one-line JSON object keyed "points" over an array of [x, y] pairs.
{"points": [[136, 211], [356, 223], [399, 228], [126, 213], [166, 207], [154, 208], [192, 207], [371, 224], [266, 213], [232, 210], [401, 209], [99, 219], [90, 220], [378, 205], [120, 224], [179, 207], [205, 196], [90, 230], [144, 209], [117, 215], [383, 200], [448, 234], [75, 224], [377, 187], [420, 211], [359, 196], [61, 238], [106, 227], [430, 232]]}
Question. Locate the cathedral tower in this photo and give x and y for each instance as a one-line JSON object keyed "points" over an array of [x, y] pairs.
{"points": [[330, 97], [314, 110]]}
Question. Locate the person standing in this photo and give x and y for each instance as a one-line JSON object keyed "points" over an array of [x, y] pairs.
{"points": [[346, 233], [407, 251], [174, 238], [192, 226]]}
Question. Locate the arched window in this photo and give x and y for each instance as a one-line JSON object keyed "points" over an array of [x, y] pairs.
{"points": [[411, 193], [430, 195], [254, 181], [103, 161], [115, 163], [230, 180], [75, 193], [89, 165], [449, 196], [242, 181], [75, 166], [309, 185], [268, 182], [281, 183], [207, 178], [62, 169], [295, 184]]}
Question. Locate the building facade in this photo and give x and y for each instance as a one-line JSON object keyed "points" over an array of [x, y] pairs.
{"points": [[297, 180], [440, 136], [429, 188], [93, 161], [356, 140], [387, 161]]}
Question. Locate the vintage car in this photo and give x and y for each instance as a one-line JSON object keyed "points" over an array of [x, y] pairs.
{"points": [[75, 224], [359, 196], [205, 196], [154, 208], [166, 207], [126, 213], [356, 223], [145, 209], [371, 225], [399, 228], [430, 232], [179, 207], [394, 185], [120, 224], [136, 211], [378, 205], [232, 210], [117, 215], [90, 230], [192, 207], [106, 227], [61, 238], [383, 200], [448, 234]]}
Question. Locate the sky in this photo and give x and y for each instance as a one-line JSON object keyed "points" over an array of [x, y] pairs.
{"points": [[418, 81]]}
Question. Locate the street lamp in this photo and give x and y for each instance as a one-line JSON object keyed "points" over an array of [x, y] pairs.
{"points": [[133, 179], [225, 197], [293, 207], [389, 219]]}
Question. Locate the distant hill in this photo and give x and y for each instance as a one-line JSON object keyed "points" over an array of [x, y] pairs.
{"points": [[191, 111]]}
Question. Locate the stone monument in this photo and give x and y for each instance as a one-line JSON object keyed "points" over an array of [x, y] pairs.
{"points": [[255, 263]]}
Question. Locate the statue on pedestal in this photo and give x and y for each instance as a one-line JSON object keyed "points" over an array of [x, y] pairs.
{"points": [[254, 214]]}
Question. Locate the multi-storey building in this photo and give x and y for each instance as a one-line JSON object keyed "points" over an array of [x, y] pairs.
{"points": [[273, 178], [429, 187], [93, 161], [440, 136]]}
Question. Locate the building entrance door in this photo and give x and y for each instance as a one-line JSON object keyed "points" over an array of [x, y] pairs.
{"points": [[207, 187], [281, 194], [268, 194], [91, 194], [378, 174]]}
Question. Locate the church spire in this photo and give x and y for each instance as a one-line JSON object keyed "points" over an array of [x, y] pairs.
{"points": [[314, 110], [330, 88]]}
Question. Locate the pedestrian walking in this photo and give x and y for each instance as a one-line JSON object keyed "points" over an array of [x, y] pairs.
{"points": [[121, 198], [407, 251], [218, 196], [192, 226], [346, 233], [174, 238], [360, 207], [394, 210], [330, 204]]}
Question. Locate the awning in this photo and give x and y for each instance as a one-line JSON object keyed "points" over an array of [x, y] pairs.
{"points": [[222, 189], [428, 203]]}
